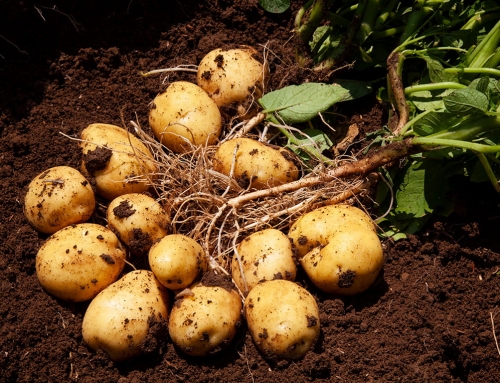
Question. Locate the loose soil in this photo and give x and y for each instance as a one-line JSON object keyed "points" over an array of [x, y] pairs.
{"points": [[430, 317]]}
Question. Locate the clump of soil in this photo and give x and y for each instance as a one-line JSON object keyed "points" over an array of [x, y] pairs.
{"points": [[429, 319]]}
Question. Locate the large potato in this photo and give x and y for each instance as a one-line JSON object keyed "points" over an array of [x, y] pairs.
{"points": [[234, 78], [205, 321], [177, 261], [58, 197], [256, 165], [338, 248], [138, 220], [119, 162], [348, 264], [314, 229], [122, 318], [283, 319], [265, 255], [183, 116], [79, 261]]}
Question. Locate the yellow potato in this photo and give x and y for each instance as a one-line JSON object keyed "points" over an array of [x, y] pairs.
{"points": [[58, 197], [314, 229], [138, 220], [206, 320], [177, 261], [183, 116], [117, 166], [78, 261], [349, 263], [265, 255], [256, 165], [125, 314], [234, 78], [338, 248], [283, 319]]}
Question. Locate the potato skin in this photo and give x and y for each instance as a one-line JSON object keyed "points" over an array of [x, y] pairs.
{"points": [[177, 261], [138, 220], [58, 197], [234, 79], [185, 115], [283, 319], [314, 229], [205, 321], [338, 248], [265, 255], [349, 264], [79, 261], [121, 317], [117, 167], [257, 165]]}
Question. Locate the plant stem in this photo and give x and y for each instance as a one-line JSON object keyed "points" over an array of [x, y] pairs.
{"points": [[489, 171], [433, 86], [488, 71], [485, 49]]}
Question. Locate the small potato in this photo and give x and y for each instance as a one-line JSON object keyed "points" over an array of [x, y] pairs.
{"points": [[338, 248], [265, 255], [117, 167], [79, 261], [283, 319], [349, 263], [177, 261], [183, 116], [125, 315], [58, 197], [234, 78], [314, 229], [256, 165], [205, 320], [138, 220]]}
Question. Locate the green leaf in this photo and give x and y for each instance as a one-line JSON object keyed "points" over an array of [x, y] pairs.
{"points": [[275, 6], [436, 72], [356, 88], [466, 101], [434, 122], [301, 103], [311, 144]]}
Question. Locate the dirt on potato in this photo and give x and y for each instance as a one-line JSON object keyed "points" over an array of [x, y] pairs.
{"points": [[431, 316]]}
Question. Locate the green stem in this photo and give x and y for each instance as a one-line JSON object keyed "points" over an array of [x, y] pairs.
{"points": [[485, 49], [489, 171], [368, 19], [488, 71], [387, 11], [441, 142], [338, 20], [434, 86], [414, 23], [480, 18], [313, 16], [410, 123], [387, 33], [469, 128]]}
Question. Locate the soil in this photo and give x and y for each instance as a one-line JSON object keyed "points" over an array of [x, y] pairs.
{"points": [[431, 316]]}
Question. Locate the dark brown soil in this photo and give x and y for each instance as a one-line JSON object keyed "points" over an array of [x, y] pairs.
{"points": [[429, 319]]}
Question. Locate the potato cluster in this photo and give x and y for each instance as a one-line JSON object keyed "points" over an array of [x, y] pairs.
{"points": [[176, 293]]}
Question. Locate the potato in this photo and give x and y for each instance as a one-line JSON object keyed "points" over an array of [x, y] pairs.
{"points": [[283, 319], [314, 229], [348, 264], [177, 261], [265, 255], [117, 166], [79, 261], [338, 248], [206, 320], [234, 78], [127, 316], [138, 220], [183, 116], [58, 197], [257, 165]]}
